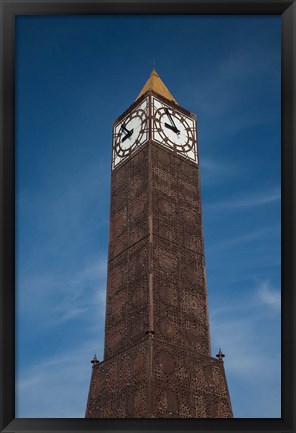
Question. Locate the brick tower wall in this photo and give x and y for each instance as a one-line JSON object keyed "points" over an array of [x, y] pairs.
{"points": [[179, 283], [128, 265], [157, 359]]}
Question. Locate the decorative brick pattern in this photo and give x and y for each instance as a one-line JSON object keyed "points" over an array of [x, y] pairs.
{"points": [[183, 384], [129, 204], [180, 307], [119, 386], [176, 200], [188, 385], [157, 359], [127, 299]]}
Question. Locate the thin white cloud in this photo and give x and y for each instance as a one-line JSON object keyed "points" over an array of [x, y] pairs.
{"points": [[64, 314], [247, 329], [254, 200], [219, 100], [48, 389], [211, 169], [62, 297], [234, 324], [258, 296], [249, 63], [70, 210], [257, 200], [245, 238], [235, 338], [269, 296], [249, 362]]}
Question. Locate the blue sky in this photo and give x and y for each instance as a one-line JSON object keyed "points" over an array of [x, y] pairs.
{"points": [[75, 75]]}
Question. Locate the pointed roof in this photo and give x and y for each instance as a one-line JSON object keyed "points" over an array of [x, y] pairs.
{"points": [[156, 84]]}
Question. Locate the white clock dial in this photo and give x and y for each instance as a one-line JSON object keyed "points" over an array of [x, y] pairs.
{"points": [[130, 133], [175, 130]]}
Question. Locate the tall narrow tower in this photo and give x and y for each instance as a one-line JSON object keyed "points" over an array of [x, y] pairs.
{"points": [[157, 360]]}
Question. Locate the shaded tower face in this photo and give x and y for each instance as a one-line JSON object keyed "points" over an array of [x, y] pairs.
{"points": [[157, 360]]}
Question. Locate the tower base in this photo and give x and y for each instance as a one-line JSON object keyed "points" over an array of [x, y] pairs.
{"points": [[154, 379]]}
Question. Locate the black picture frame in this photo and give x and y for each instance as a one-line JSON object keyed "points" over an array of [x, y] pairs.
{"points": [[9, 10]]}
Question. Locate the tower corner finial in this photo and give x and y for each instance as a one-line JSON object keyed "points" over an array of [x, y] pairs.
{"points": [[220, 355], [95, 360]]}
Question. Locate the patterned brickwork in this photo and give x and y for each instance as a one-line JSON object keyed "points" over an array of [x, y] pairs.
{"points": [[176, 199], [157, 359], [183, 384], [127, 283], [129, 204], [179, 284], [188, 385], [119, 385], [127, 299], [180, 308]]}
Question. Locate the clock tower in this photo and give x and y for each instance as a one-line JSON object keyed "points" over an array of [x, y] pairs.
{"points": [[157, 359]]}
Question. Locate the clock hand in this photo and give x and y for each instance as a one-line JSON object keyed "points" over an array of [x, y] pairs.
{"points": [[173, 128], [126, 131], [170, 118], [124, 128], [128, 135]]}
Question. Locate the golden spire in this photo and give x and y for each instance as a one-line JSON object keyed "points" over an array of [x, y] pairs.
{"points": [[156, 84]]}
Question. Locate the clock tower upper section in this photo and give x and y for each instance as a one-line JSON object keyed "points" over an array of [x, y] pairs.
{"points": [[154, 116]]}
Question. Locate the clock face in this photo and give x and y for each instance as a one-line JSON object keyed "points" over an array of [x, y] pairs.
{"points": [[174, 129], [130, 133]]}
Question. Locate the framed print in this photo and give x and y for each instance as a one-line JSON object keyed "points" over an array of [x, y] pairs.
{"points": [[147, 224]]}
